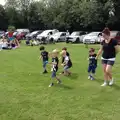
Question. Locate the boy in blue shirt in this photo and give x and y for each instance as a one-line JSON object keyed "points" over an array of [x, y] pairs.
{"points": [[92, 64]]}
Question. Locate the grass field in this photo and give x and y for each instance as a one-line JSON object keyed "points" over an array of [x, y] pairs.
{"points": [[24, 92]]}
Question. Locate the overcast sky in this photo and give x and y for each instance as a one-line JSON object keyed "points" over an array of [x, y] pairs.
{"points": [[2, 2]]}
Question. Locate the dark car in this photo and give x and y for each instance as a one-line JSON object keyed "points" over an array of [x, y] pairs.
{"points": [[116, 36], [33, 35]]}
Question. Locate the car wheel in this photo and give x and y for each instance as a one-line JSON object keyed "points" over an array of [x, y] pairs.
{"points": [[77, 40], [67, 41]]}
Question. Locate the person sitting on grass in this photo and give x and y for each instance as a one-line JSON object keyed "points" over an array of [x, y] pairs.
{"points": [[92, 64], [55, 62], [44, 56], [67, 64]]}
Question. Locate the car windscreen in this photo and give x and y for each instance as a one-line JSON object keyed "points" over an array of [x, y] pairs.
{"points": [[75, 34], [93, 34]]}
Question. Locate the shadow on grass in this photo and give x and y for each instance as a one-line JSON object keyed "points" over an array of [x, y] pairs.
{"points": [[116, 87], [64, 86], [73, 76], [99, 80]]}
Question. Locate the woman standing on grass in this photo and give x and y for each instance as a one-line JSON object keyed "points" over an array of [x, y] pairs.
{"points": [[109, 49]]}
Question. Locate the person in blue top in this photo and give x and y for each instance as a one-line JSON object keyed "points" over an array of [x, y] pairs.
{"points": [[92, 64], [44, 56]]}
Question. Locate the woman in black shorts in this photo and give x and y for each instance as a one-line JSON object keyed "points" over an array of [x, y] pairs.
{"points": [[109, 49]]}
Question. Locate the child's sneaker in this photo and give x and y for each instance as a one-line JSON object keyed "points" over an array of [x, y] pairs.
{"points": [[92, 78], [89, 77], [104, 84], [111, 82], [59, 82], [45, 72], [51, 85]]}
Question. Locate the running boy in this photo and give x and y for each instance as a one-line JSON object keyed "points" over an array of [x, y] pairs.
{"points": [[67, 63], [92, 64], [55, 62], [44, 56]]}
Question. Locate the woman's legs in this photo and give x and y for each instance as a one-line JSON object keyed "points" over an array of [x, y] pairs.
{"points": [[106, 77], [109, 71]]}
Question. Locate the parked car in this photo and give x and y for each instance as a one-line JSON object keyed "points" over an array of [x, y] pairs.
{"points": [[76, 37], [2, 33], [45, 35], [59, 37], [23, 30], [33, 35], [20, 35], [116, 36], [92, 38]]}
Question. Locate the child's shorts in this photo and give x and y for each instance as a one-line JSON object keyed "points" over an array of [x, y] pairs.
{"points": [[66, 68], [11, 38], [92, 68], [45, 63], [53, 74]]}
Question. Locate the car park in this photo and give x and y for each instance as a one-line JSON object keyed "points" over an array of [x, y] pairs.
{"points": [[58, 37], [92, 38], [45, 35], [33, 35], [2, 34], [76, 37], [116, 35]]}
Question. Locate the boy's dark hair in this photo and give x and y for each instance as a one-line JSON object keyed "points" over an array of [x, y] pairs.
{"points": [[42, 48], [92, 50], [64, 49]]}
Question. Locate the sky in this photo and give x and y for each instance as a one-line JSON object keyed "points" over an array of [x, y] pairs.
{"points": [[2, 2]]}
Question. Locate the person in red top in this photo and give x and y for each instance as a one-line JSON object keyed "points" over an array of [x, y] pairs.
{"points": [[10, 35]]}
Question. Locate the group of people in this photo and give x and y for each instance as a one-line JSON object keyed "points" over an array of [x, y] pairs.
{"points": [[10, 42], [109, 49], [66, 63]]}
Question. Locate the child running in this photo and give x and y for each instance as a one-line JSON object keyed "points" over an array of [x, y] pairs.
{"points": [[55, 62], [63, 58], [44, 56], [92, 64], [67, 64]]}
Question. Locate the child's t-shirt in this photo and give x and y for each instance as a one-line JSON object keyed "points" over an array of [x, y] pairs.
{"points": [[55, 66], [67, 53], [68, 61], [92, 60], [44, 55]]}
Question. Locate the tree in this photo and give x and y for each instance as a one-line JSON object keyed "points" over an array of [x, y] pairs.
{"points": [[3, 19], [35, 16]]}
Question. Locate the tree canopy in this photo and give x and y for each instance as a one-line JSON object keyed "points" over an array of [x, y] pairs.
{"points": [[61, 14]]}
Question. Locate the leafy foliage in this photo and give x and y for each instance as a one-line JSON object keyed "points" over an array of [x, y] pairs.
{"points": [[61, 14]]}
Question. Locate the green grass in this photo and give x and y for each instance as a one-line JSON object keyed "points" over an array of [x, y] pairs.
{"points": [[24, 92]]}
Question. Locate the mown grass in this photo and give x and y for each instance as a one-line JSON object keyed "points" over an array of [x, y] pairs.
{"points": [[24, 92]]}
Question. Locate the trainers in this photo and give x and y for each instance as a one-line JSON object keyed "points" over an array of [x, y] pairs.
{"points": [[92, 78], [45, 72], [111, 82], [58, 82], [104, 84], [51, 85], [89, 77]]}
